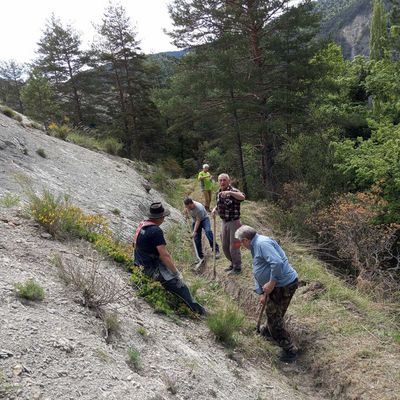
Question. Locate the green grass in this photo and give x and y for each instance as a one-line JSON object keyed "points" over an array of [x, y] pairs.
{"points": [[134, 358], [9, 200], [142, 331], [40, 152], [30, 290], [225, 324], [109, 145]]}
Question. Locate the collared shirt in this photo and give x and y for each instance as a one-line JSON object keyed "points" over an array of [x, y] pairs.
{"points": [[228, 208], [270, 262], [198, 211]]}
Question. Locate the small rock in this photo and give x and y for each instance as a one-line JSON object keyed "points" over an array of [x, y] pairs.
{"points": [[64, 345], [5, 353], [18, 369], [45, 235]]}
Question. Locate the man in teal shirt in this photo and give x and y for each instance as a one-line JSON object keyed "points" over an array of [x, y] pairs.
{"points": [[276, 281], [206, 185]]}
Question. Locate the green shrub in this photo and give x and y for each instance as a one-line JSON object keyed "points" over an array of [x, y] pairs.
{"points": [[59, 131], [61, 219], [18, 118], [172, 168], [8, 112], [9, 200], [112, 146], [112, 325], [29, 290], [225, 323], [89, 142], [40, 152], [142, 331], [134, 358]]}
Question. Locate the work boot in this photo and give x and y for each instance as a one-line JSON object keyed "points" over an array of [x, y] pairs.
{"points": [[230, 268], [264, 331], [235, 271], [288, 356]]}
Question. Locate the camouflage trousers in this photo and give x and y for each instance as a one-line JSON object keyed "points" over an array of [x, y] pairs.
{"points": [[277, 303]]}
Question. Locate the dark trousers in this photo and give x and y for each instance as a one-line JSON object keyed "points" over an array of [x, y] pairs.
{"points": [[182, 291], [204, 224], [277, 303]]}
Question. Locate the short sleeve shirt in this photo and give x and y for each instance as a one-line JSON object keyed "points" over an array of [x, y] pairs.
{"points": [[198, 211], [146, 253], [206, 181]]}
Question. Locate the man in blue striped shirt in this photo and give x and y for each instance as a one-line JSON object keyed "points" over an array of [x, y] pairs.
{"points": [[276, 281]]}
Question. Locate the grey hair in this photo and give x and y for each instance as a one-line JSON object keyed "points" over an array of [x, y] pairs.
{"points": [[245, 232], [224, 176], [206, 166]]}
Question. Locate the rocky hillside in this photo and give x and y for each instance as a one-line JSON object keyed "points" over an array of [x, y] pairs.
{"points": [[347, 22], [56, 348]]}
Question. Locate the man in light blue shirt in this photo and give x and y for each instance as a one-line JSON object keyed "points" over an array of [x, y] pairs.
{"points": [[276, 281]]}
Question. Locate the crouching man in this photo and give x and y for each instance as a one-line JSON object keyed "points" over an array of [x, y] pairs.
{"points": [[151, 253], [276, 281]]}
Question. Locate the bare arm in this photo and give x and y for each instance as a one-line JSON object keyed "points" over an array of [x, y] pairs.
{"points": [[269, 286], [166, 258], [196, 225]]}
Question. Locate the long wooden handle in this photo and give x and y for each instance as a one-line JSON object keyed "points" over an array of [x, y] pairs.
{"points": [[261, 314], [214, 246]]}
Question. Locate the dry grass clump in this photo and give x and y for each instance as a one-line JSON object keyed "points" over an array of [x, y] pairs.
{"points": [[96, 288]]}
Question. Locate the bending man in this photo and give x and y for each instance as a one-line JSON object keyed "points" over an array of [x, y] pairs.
{"points": [[276, 281], [200, 222], [151, 253]]}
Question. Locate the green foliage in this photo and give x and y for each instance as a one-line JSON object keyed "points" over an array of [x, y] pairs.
{"points": [[134, 358], [59, 131], [30, 290], [38, 97], [153, 292], [378, 33], [142, 331], [111, 146], [374, 162], [40, 152], [225, 323], [9, 200], [8, 112]]}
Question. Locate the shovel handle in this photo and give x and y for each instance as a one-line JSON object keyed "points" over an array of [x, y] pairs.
{"points": [[260, 315], [214, 246]]}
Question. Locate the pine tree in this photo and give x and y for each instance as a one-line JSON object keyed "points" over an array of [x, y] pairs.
{"points": [[125, 80], [11, 72], [38, 98], [61, 60]]}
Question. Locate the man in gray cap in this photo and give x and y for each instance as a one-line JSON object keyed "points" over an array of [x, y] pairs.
{"points": [[151, 253]]}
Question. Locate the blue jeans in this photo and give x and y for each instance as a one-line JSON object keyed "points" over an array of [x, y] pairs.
{"points": [[204, 224]]}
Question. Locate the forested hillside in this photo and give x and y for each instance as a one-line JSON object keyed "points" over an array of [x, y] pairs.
{"points": [[260, 95]]}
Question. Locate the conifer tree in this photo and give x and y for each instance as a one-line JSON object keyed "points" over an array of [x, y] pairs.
{"points": [[61, 60], [38, 97], [125, 80], [11, 72]]}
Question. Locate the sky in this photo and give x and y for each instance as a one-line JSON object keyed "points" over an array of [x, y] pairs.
{"points": [[22, 23]]}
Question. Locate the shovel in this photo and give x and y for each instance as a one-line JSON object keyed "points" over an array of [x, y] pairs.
{"points": [[261, 315], [214, 244]]}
